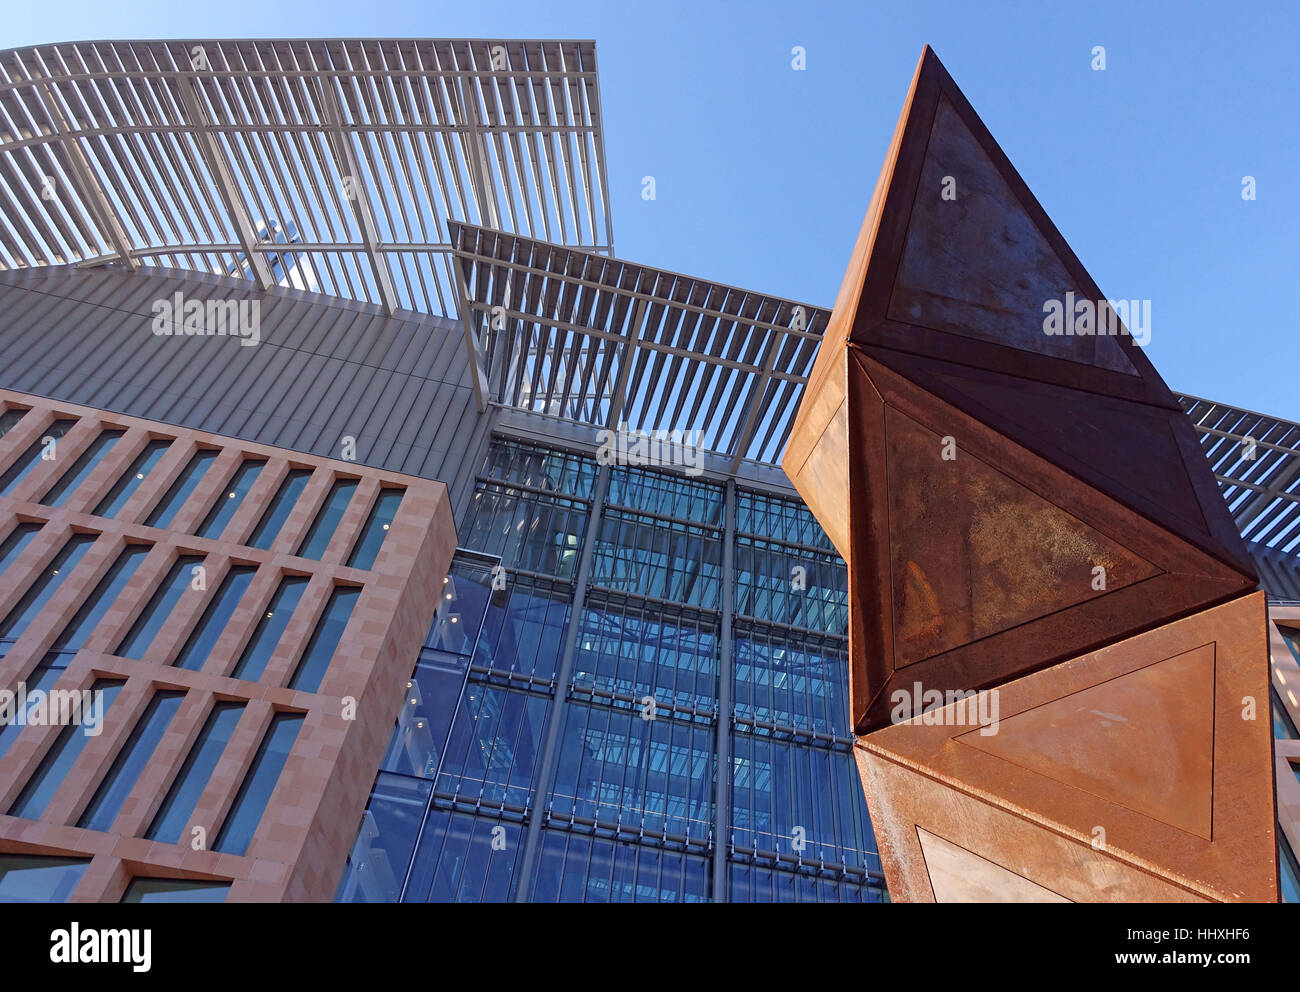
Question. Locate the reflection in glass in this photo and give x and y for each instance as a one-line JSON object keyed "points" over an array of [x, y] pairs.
{"points": [[230, 498], [159, 608], [144, 463], [46, 584], [181, 489], [270, 628], [194, 774], [175, 890], [376, 528], [44, 449], [39, 878], [327, 519], [215, 618], [325, 639], [81, 468], [244, 816], [286, 497], [131, 761]]}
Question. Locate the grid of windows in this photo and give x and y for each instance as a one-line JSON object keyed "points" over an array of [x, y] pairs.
{"points": [[582, 760]]}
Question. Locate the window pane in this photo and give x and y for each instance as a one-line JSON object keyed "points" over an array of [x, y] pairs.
{"points": [[325, 640], [377, 865], [9, 419], [135, 754], [327, 520], [54, 767], [144, 463], [286, 497], [175, 890], [46, 585], [164, 600], [230, 499], [1290, 871], [181, 489], [215, 617], [252, 663], [255, 793], [35, 878], [184, 794], [43, 677], [36, 452], [81, 468], [1283, 728], [13, 545], [372, 535], [104, 596]]}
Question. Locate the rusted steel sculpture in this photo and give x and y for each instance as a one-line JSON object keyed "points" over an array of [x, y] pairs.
{"points": [[1027, 516]]}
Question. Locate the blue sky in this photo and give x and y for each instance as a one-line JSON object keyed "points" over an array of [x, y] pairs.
{"points": [[763, 173]]}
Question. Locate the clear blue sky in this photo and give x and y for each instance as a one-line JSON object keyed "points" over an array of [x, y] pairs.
{"points": [[764, 173]]}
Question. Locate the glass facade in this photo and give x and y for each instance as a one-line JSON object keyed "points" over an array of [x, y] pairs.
{"points": [[635, 690], [82, 467], [230, 498], [122, 490]]}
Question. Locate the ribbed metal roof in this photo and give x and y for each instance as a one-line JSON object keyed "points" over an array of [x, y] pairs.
{"points": [[215, 155]]}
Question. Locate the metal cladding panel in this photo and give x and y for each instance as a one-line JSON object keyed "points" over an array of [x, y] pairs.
{"points": [[323, 368]]}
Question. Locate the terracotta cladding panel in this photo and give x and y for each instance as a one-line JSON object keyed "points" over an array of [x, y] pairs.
{"points": [[310, 821]]}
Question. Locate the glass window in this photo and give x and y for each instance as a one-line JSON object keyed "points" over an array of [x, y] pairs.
{"points": [[105, 595], [46, 585], [372, 535], [193, 777], [175, 890], [1290, 870], [237, 832], [390, 825], [164, 600], [42, 449], [231, 497], [42, 678], [465, 859], [215, 617], [38, 878], [1283, 728], [325, 640], [81, 468], [327, 519], [270, 628], [144, 463], [9, 419], [54, 767], [15, 543], [286, 497], [181, 489], [131, 761]]}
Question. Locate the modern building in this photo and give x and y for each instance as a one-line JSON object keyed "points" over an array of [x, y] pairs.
{"points": [[440, 645]]}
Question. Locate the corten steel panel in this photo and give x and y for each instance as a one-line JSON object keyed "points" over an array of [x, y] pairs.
{"points": [[967, 572], [977, 568], [310, 823], [1150, 757]]}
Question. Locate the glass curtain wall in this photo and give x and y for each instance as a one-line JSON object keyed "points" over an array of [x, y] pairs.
{"points": [[563, 738]]}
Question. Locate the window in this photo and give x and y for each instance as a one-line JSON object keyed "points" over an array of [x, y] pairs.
{"points": [[215, 617], [43, 678], [268, 528], [181, 489], [38, 878], [1290, 870], [164, 600], [175, 890], [54, 767], [327, 519], [1283, 728], [9, 419], [131, 761], [372, 535], [105, 595], [81, 468], [329, 629], [237, 832], [46, 585], [252, 663], [184, 794], [13, 545], [144, 463], [39, 450], [230, 499]]}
